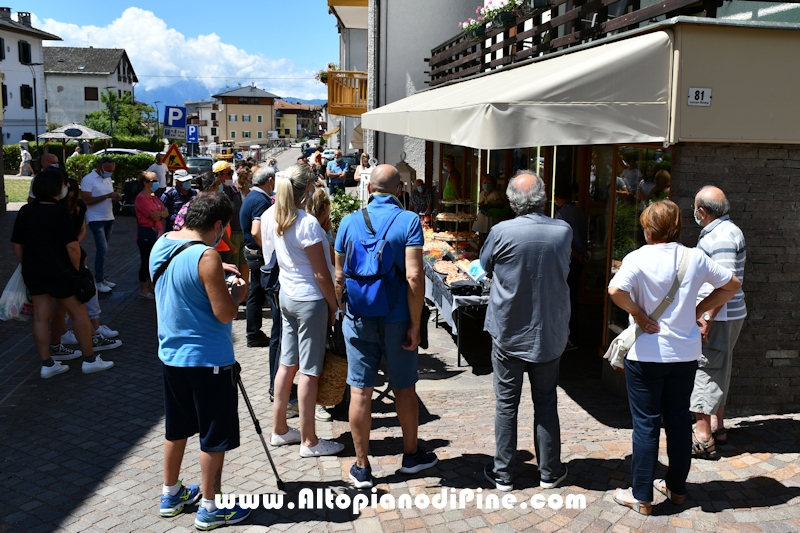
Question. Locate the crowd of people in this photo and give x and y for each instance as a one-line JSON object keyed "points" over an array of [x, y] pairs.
{"points": [[212, 242]]}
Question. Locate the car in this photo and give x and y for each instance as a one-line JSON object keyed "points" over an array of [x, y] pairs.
{"points": [[308, 152], [198, 165], [118, 151], [352, 163], [328, 154], [314, 142]]}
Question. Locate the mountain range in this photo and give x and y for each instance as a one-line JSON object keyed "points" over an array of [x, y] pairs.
{"points": [[194, 91]]}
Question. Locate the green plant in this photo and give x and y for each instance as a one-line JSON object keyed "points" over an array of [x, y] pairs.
{"points": [[342, 204], [129, 117], [127, 166]]}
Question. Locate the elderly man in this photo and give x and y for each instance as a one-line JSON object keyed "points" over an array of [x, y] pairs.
{"points": [[176, 197], [97, 192], [528, 320], [394, 336], [722, 241], [335, 172]]}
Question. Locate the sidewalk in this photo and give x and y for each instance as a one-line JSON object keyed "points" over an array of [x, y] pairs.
{"points": [[83, 452]]}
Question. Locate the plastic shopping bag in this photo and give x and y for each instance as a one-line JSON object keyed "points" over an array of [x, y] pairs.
{"points": [[16, 303]]}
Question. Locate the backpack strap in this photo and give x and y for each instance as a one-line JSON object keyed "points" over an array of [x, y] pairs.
{"points": [[165, 264], [384, 229]]}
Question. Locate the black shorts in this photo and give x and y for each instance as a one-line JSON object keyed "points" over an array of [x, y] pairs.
{"points": [[196, 400], [59, 285]]}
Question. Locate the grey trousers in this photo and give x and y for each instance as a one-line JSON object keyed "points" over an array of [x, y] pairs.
{"points": [[509, 375], [711, 382]]}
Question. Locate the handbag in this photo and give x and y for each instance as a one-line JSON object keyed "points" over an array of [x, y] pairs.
{"points": [[84, 285], [333, 379], [622, 343]]}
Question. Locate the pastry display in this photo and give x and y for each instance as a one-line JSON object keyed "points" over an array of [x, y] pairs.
{"points": [[455, 217], [455, 235], [445, 267], [455, 276]]}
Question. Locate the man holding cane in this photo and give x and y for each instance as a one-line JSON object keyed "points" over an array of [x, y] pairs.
{"points": [[196, 349]]}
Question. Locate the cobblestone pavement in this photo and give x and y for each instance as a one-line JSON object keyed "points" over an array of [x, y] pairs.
{"points": [[83, 452]]}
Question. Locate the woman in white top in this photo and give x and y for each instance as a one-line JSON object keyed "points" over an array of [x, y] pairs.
{"points": [[661, 365], [363, 194], [308, 306]]}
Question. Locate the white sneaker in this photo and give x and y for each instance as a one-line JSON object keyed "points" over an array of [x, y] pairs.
{"points": [[293, 410], [290, 437], [322, 414], [106, 332], [50, 371], [110, 284], [102, 287], [100, 343], [98, 366], [323, 447], [69, 338]]}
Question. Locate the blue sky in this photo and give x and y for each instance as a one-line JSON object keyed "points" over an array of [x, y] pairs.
{"points": [[197, 47]]}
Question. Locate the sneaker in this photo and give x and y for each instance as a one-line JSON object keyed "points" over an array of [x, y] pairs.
{"points": [[100, 343], [148, 296], [98, 366], [50, 371], [293, 410], [59, 352], [361, 477], [571, 346], [499, 483], [69, 338], [417, 462], [108, 283], [206, 520], [322, 414], [290, 437], [107, 332], [102, 287], [173, 505], [553, 483], [323, 447]]}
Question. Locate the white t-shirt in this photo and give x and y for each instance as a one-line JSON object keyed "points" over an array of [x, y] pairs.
{"points": [[99, 186], [161, 172], [297, 274], [647, 274]]}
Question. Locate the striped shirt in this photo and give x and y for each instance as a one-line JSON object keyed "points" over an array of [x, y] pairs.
{"points": [[723, 241]]}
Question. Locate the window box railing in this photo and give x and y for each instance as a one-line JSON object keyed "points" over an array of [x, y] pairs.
{"points": [[347, 93]]}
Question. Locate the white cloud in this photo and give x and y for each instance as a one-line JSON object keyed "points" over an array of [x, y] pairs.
{"points": [[156, 50]]}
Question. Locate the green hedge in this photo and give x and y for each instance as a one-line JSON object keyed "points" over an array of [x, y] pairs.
{"points": [[127, 166]]}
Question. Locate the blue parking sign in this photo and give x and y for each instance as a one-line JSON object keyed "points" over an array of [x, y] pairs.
{"points": [[191, 133]]}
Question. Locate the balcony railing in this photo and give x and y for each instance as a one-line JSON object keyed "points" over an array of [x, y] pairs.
{"points": [[564, 23], [347, 93]]}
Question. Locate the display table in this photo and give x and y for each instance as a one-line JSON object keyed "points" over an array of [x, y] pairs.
{"points": [[452, 308]]}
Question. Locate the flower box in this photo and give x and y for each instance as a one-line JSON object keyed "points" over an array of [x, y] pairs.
{"points": [[477, 34], [504, 19]]}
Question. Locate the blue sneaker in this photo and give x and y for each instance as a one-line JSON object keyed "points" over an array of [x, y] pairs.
{"points": [[361, 477], [206, 520], [173, 505], [417, 462]]}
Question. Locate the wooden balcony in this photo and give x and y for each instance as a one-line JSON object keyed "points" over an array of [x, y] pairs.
{"points": [[531, 34], [347, 93]]}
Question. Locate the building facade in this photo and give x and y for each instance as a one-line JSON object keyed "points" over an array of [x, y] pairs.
{"points": [[245, 115], [22, 75]]}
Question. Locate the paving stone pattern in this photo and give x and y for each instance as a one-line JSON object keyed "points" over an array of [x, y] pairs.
{"points": [[82, 453]]}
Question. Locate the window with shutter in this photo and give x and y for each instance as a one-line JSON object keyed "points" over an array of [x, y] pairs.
{"points": [[24, 52], [5, 95], [26, 96], [2, 49]]}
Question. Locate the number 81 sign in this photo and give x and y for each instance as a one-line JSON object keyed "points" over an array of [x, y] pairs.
{"points": [[700, 96]]}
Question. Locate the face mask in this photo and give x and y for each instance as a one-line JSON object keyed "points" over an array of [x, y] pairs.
{"points": [[330, 238], [698, 220], [54, 165], [488, 187], [106, 174], [221, 187], [421, 189], [154, 186], [186, 185], [250, 185], [216, 242], [444, 167], [64, 191], [228, 183], [338, 159]]}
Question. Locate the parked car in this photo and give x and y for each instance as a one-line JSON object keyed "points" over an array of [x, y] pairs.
{"points": [[352, 163], [308, 152], [198, 165], [118, 151], [328, 154]]}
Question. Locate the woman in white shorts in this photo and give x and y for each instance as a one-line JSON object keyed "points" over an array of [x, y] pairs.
{"points": [[308, 305]]}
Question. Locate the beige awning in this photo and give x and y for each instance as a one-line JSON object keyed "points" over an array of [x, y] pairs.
{"points": [[330, 132], [357, 140], [613, 93]]}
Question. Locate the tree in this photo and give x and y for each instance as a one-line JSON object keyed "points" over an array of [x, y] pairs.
{"points": [[129, 118]]}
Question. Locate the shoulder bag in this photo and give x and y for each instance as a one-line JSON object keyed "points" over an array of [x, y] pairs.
{"points": [[619, 347]]}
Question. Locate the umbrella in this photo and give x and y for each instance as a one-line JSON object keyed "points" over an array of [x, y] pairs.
{"points": [[71, 132]]}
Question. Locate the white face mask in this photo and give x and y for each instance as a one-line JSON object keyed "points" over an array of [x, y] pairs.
{"points": [[698, 220], [64, 192], [228, 183]]}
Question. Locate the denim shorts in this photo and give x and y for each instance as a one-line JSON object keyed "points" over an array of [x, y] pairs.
{"points": [[305, 328], [369, 340]]}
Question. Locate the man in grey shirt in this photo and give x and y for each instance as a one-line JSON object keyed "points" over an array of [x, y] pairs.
{"points": [[528, 319]]}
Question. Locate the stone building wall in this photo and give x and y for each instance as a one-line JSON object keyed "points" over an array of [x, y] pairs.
{"points": [[762, 183]]}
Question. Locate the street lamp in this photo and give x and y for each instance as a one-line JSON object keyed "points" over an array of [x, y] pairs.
{"points": [[111, 113], [35, 105]]}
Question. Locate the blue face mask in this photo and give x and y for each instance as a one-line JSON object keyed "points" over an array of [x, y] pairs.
{"points": [[221, 187], [186, 185], [488, 187], [421, 188], [218, 239], [54, 165], [154, 186], [106, 174], [330, 237]]}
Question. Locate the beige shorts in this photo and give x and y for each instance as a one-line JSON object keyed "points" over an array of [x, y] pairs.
{"points": [[712, 381]]}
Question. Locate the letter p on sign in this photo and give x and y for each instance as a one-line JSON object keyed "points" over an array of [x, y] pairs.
{"points": [[174, 117]]}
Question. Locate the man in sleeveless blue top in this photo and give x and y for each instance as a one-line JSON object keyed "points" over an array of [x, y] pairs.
{"points": [[195, 308]]}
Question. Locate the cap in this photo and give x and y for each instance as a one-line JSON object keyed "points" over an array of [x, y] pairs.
{"points": [[219, 166], [182, 175]]}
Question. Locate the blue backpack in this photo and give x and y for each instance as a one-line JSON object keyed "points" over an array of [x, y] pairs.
{"points": [[371, 277]]}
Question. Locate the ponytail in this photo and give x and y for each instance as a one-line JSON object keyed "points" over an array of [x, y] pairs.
{"points": [[285, 210]]}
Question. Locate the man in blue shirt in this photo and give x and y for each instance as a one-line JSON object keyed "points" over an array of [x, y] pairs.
{"points": [[394, 336], [528, 320], [336, 172], [175, 197]]}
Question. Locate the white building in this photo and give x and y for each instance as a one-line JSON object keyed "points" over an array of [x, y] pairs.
{"points": [[76, 77], [21, 46]]}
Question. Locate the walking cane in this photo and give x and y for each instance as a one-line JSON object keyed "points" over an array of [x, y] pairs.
{"points": [[278, 479]]}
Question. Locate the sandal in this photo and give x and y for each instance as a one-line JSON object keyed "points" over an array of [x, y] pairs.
{"points": [[644, 508], [720, 438], [661, 486], [700, 450]]}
